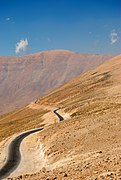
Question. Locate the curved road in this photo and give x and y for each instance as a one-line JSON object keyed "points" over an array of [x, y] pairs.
{"points": [[58, 115], [14, 155]]}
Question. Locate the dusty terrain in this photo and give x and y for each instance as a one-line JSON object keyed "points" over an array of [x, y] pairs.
{"points": [[24, 79], [87, 145]]}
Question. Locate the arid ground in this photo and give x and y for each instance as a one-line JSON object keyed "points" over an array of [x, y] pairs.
{"points": [[26, 78], [87, 144]]}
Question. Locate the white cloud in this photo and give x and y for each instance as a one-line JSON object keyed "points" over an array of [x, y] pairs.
{"points": [[21, 46], [10, 20], [7, 19], [113, 37]]}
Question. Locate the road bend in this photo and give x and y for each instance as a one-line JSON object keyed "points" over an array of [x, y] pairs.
{"points": [[61, 118], [14, 155]]}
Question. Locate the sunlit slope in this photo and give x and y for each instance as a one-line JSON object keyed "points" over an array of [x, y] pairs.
{"points": [[21, 120], [84, 95], [89, 143], [25, 78]]}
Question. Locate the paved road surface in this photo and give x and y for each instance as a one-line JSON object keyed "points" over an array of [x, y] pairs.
{"points": [[14, 155]]}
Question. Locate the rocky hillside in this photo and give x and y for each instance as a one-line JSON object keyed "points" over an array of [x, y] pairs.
{"points": [[86, 145], [23, 79]]}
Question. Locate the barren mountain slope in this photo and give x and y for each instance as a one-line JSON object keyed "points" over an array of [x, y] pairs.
{"points": [[23, 79], [88, 145]]}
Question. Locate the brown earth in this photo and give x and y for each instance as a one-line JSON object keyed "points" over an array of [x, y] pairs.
{"points": [[24, 79], [88, 145]]}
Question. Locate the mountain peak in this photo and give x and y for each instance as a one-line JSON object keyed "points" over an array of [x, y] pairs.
{"points": [[31, 76]]}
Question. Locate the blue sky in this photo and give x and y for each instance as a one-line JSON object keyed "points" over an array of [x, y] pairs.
{"points": [[86, 26]]}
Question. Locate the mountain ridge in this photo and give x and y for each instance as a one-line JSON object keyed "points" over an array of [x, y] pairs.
{"points": [[87, 143], [23, 79]]}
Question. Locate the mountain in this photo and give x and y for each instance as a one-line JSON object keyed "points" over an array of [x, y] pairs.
{"points": [[23, 79], [86, 145]]}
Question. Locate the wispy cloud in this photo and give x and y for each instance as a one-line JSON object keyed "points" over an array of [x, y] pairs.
{"points": [[90, 32], [113, 37], [8, 19], [21, 46]]}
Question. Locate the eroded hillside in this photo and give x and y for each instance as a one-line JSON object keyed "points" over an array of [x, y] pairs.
{"points": [[87, 144], [24, 79]]}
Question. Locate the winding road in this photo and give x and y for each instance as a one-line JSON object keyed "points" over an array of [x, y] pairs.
{"points": [[61, 118], [14, 155]]}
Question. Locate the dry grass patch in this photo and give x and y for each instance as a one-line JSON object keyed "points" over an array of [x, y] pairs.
{"points": [[21, 120]]}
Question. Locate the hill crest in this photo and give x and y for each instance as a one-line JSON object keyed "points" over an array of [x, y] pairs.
{"points": [[23, 79]]}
